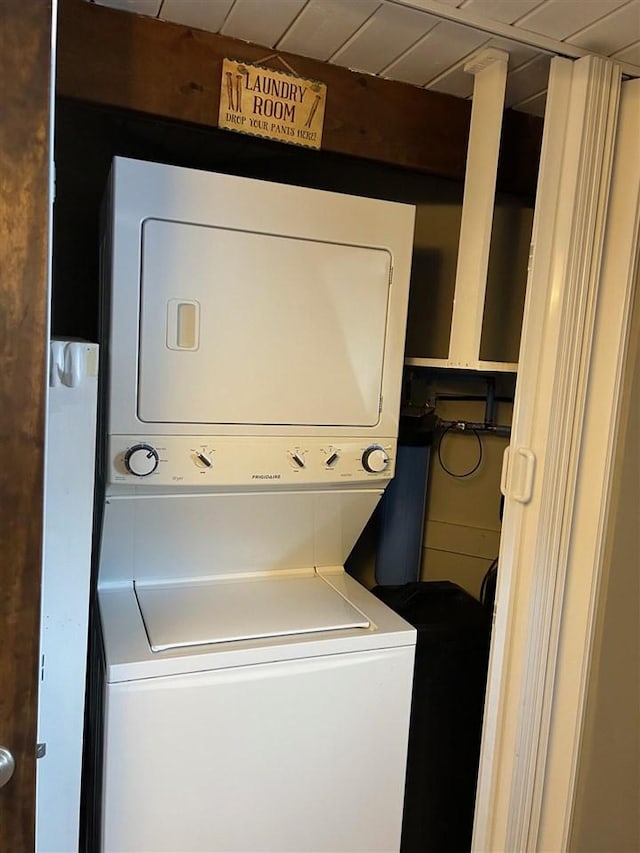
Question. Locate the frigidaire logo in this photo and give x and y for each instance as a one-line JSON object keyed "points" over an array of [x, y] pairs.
{"points": [[265, 476]]}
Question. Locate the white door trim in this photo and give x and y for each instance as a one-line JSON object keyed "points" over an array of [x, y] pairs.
{"points": [[551, 403]]}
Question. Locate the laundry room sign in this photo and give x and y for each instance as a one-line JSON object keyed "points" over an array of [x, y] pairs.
{"points": [[263, 102]]}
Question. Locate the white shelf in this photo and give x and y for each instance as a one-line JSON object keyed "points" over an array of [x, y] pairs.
{"points": [[482, 366]]}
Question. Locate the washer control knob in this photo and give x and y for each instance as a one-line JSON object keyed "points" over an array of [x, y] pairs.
{"points": [[375, 459], [141, 460]]}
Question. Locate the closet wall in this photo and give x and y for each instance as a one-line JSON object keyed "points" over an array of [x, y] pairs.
{"points": [[608, 784], [463, 512], [463, 517]]}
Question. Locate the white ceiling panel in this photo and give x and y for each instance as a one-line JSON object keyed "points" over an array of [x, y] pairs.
{"points": [[442, 47], [528, 80], [247, 20], [325, 25], [612, 33], [533, 106], [629, 54], [423, 42], [383, 37], [562, 18], [456, 81], [141, 7], [506, 11], [201, 14]]}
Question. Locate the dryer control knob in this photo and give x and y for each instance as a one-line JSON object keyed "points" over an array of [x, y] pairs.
{"points": [[297, 458], [141, 460], [374, 459], [331, 460]]}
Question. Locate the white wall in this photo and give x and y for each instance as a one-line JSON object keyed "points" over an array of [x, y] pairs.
{"points": [[462, 521], [607, 805]]}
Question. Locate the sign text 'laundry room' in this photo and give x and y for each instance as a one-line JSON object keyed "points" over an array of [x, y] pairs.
{"points": [[263, 102]]}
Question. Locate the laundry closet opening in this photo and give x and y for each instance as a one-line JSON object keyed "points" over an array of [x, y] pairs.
{"points": [[457, 422], [463, 416]]}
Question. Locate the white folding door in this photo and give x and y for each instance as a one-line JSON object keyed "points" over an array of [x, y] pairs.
{"points": [[557, 472]]}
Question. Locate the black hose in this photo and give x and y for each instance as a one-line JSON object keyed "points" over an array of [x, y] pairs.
{"points": [[466, 473]]}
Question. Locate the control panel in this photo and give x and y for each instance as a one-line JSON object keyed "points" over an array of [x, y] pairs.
{"points": [[228, 461]]}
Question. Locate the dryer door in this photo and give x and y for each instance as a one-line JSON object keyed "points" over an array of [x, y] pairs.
{"points": [[239, 327]]}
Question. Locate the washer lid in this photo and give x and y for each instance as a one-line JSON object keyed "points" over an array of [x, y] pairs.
{"points": [[221, 611]]}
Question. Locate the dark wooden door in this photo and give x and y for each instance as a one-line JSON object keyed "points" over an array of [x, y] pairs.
{"points": [[25, 79]]}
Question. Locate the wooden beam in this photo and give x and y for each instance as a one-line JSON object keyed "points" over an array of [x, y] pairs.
{"points": [[171, 71], [25, 72]]}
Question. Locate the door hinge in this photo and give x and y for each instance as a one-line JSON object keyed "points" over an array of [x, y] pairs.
{"points": [[41, 750]]}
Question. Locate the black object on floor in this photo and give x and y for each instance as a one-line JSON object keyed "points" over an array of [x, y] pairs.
{"points": [[446, 713]]}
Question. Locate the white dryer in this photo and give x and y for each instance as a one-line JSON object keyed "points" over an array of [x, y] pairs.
{"points": [[256, 697]]}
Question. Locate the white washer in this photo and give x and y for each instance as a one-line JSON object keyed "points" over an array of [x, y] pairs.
{"points": [[256, 697], [288, 743]]}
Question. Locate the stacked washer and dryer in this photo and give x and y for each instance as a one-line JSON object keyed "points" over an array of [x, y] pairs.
{"points": [[256, 697]]}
